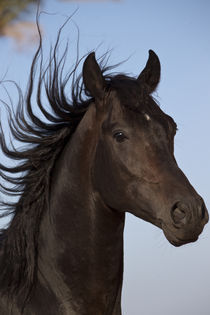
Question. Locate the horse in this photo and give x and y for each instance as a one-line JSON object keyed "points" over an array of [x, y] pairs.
{"points": [[87, 160]]}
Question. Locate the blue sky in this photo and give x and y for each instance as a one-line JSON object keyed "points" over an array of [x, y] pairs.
{"points": [[159, 279]]}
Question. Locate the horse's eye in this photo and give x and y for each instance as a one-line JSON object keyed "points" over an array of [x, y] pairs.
{"points": [[119, 136]]}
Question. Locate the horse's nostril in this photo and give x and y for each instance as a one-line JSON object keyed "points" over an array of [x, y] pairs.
{"points": [[178, 213]]}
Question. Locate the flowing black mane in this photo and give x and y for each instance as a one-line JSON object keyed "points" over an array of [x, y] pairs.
{"points": [[45, 141]]}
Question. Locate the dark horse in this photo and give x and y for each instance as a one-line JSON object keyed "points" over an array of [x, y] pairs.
{"points": [[90, 159]]}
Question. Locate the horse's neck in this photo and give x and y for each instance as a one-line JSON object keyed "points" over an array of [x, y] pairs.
{"points": [[85, 242]]}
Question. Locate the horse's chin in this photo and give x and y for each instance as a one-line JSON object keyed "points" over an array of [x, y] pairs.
{"points": [[176, 241]]}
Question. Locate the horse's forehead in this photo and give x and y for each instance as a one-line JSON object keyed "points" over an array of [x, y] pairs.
{"points": [[135, 108]]}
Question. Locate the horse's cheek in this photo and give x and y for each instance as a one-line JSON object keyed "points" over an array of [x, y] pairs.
{"points": [[109, 180]]}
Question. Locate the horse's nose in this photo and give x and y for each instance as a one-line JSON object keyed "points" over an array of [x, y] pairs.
{"points": [[182, 214]]}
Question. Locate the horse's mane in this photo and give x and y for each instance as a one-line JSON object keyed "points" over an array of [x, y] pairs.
{"points": [[29, 179]]}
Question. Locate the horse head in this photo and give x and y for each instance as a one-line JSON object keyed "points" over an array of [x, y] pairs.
{"points": [[134, 168]]}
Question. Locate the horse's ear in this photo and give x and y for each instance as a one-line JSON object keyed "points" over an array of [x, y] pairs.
{"points": [[92, 77], [150, 76]]}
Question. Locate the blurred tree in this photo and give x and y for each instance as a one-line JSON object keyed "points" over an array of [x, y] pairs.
{"points": [[11, 9], [12, 23]]}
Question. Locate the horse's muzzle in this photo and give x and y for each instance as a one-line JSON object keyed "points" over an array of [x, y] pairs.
{"points": [[187, 221]]}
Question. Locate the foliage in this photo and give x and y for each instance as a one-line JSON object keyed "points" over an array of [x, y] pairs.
{"points": [[11, 10]]}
